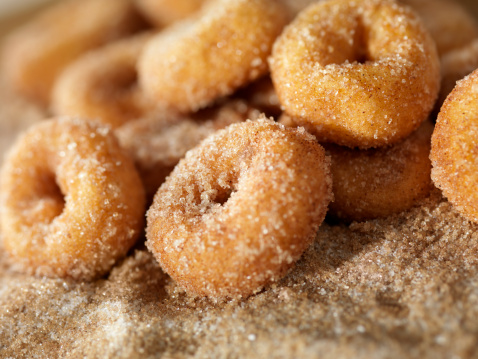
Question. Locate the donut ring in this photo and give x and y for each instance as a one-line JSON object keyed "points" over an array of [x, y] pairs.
{"points": [[448, 22], [454, 150], [189, 65], [72, 202], [157, 145], [163, 13], [102, 85], [35, 54], [240, 208], [357, 73], [380, 182]]}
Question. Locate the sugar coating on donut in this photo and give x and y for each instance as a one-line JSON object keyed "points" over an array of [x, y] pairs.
{"points": [[223, 47], [356, 73], [157, 144], [103, 84], [380, 182], [72, 202], [37, 52], [240, 208], [454, 152]]}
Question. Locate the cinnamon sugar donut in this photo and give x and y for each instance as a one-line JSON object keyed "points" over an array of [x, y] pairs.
{"points": [[225, 46], [166, 12], [102, 84], [356, 73], [380, 182], [72, 202], [37, 52], [454, 152], [240, 208], [157, 144]]}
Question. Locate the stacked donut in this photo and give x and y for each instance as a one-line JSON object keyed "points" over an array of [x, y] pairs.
{"points": [[167, 102]]}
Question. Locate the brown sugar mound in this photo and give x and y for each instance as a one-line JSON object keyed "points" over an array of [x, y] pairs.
{"points": [[404, 286]]}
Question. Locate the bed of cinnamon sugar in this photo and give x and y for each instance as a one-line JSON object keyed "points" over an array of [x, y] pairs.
{"points": [[405, 286]]}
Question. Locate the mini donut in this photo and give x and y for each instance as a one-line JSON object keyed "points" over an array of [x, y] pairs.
{"points": [[240, 208], [157, 145], [380, 182], [455, 65], [356, 73], [454, 152], [163, 13], [225, 46], [448, 22], [36, 53], [102, 84], [72, 203]]}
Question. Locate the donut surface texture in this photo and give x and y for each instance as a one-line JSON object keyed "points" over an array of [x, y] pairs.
{"points": [[240, 208], [72, 203], [454, 151], [225, 46], [356, 73]]}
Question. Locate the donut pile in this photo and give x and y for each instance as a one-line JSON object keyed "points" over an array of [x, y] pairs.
{"points": [[239, 123]]}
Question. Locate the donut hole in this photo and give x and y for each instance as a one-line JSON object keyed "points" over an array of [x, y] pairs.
{"points": [[51, 200], [117, 90], [223, 196], [348, 46], [361, 52], [215, 199], [119, 81]]}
